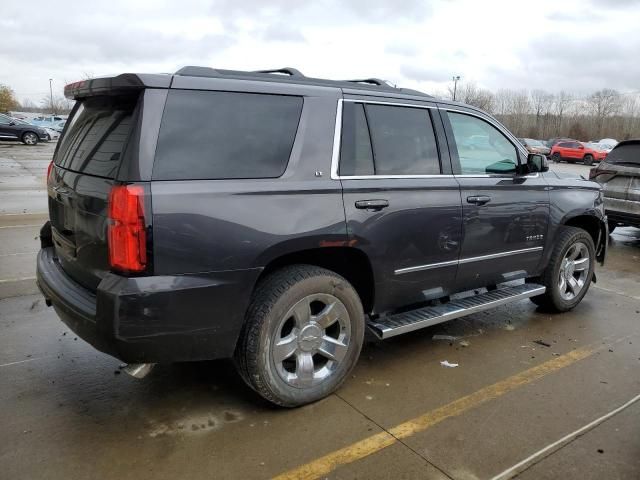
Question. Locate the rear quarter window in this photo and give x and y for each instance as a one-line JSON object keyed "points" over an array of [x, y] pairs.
{"points": [[224, 135]]}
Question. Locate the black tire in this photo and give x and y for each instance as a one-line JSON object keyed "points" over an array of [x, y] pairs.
{"points": [[552, 299], [588, 160], [29, 138], [272, 302], [556, 157]]}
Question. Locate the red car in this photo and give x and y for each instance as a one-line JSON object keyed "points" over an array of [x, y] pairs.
{"points": [[576, 151]]}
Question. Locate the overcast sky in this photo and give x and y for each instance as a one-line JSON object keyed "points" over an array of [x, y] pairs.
{"points": [[579, 46]]}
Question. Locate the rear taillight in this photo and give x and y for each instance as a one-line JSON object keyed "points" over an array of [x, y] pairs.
{"points": [[126, 231], [49, 169]]}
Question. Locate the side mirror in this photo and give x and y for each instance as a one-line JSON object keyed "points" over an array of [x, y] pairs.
{"points": [[537, 163], [12, 124]]}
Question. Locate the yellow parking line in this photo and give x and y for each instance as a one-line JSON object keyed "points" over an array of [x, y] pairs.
{"points": [[375, 443]]}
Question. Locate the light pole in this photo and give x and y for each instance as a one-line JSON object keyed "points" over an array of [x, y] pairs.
{"points": [[51, 95], [456, 79]]}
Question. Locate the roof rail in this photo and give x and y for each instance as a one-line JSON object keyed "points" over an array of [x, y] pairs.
{"points": [[292, 72], [371, 81]]}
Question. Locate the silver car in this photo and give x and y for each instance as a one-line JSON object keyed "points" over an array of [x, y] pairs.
{"points": [[619, 175]]}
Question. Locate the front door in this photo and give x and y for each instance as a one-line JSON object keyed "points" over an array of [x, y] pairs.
{"points": [[402, 203], [505, 215]]}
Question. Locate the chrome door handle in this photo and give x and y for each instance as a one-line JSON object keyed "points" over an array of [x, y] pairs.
{"points": [[478, 199], [375, 205]]}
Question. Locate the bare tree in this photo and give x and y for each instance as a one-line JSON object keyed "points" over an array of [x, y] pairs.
{"points": [[540, 102], [604, 103]]}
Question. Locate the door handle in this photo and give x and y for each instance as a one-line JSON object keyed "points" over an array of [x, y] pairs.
{"points": [[478, 199], [375, 205]]}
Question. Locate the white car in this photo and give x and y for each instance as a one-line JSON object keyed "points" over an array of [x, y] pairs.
{"points": [[607, 144]]}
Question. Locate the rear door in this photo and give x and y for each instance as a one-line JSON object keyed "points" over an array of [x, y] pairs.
{"points": [[401, 201], [87, 161], [574, 150], [505, 215], [7, 131]]}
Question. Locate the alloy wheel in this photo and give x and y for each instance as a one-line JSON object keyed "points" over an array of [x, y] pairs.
{"points": [[311, 340], [574, 271]]}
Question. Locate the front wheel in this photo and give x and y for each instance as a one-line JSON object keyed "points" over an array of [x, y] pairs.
{"points": [[29, 138], [556, 157], [569, 271], [302, 337], [588, 160]]}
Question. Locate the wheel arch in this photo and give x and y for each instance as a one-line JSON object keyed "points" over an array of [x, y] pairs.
{"points": [[595, 227], [351, 263]]}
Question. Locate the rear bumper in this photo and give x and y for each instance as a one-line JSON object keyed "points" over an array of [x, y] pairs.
{"points": [[151, 319]]}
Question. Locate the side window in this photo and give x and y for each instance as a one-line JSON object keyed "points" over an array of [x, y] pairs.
{"points": [[356, 156], [482, 148], [4, 121], [403, 140], [218, 135]]}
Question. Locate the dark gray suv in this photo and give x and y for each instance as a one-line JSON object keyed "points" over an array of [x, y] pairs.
{"points": [[272, 218]]}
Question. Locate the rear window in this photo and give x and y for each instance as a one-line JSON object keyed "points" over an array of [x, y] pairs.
{"points": [[220, 135], [96, 136], [628, 154]]}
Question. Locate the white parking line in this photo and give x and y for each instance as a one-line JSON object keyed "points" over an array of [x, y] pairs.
{"points": [[21, 361], [549, 449], [6, 280], [22, 226]]}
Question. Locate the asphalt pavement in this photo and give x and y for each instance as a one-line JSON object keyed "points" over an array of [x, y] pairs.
{"points": [[525, 380]]}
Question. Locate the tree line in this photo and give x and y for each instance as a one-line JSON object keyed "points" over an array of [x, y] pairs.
{"points": [[540, 114]]}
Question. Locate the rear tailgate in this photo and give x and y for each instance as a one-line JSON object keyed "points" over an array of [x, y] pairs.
{"points": [[86, 163]]}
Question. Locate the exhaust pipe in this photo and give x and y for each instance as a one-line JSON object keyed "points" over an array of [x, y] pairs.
{"points": [[139, 370]]}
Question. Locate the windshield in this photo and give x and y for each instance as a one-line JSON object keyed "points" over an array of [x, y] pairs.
{"points": [[534, 143]]}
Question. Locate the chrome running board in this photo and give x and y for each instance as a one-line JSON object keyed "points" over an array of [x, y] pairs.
{"points": [[399, 323]]}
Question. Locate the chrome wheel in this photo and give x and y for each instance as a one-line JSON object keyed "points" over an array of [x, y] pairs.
{"points": [[311, 340], [30, 138], [574, 271]]}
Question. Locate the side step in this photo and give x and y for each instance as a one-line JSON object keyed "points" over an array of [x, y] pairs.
{"points": [[425, 317]]}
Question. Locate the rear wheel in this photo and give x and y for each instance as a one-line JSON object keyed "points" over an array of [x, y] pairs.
{"points": [[569, 271], [588, 160], [612, 226], [556, 157], [303, 334], [29, 138]]}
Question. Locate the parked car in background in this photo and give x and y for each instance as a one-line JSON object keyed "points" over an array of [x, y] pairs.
{"points": [[535, 146], [59, 126], [607, 144], [619, 176], [51, 133], [553, 141], [574, 151], [47, 121], [14, 129]]}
